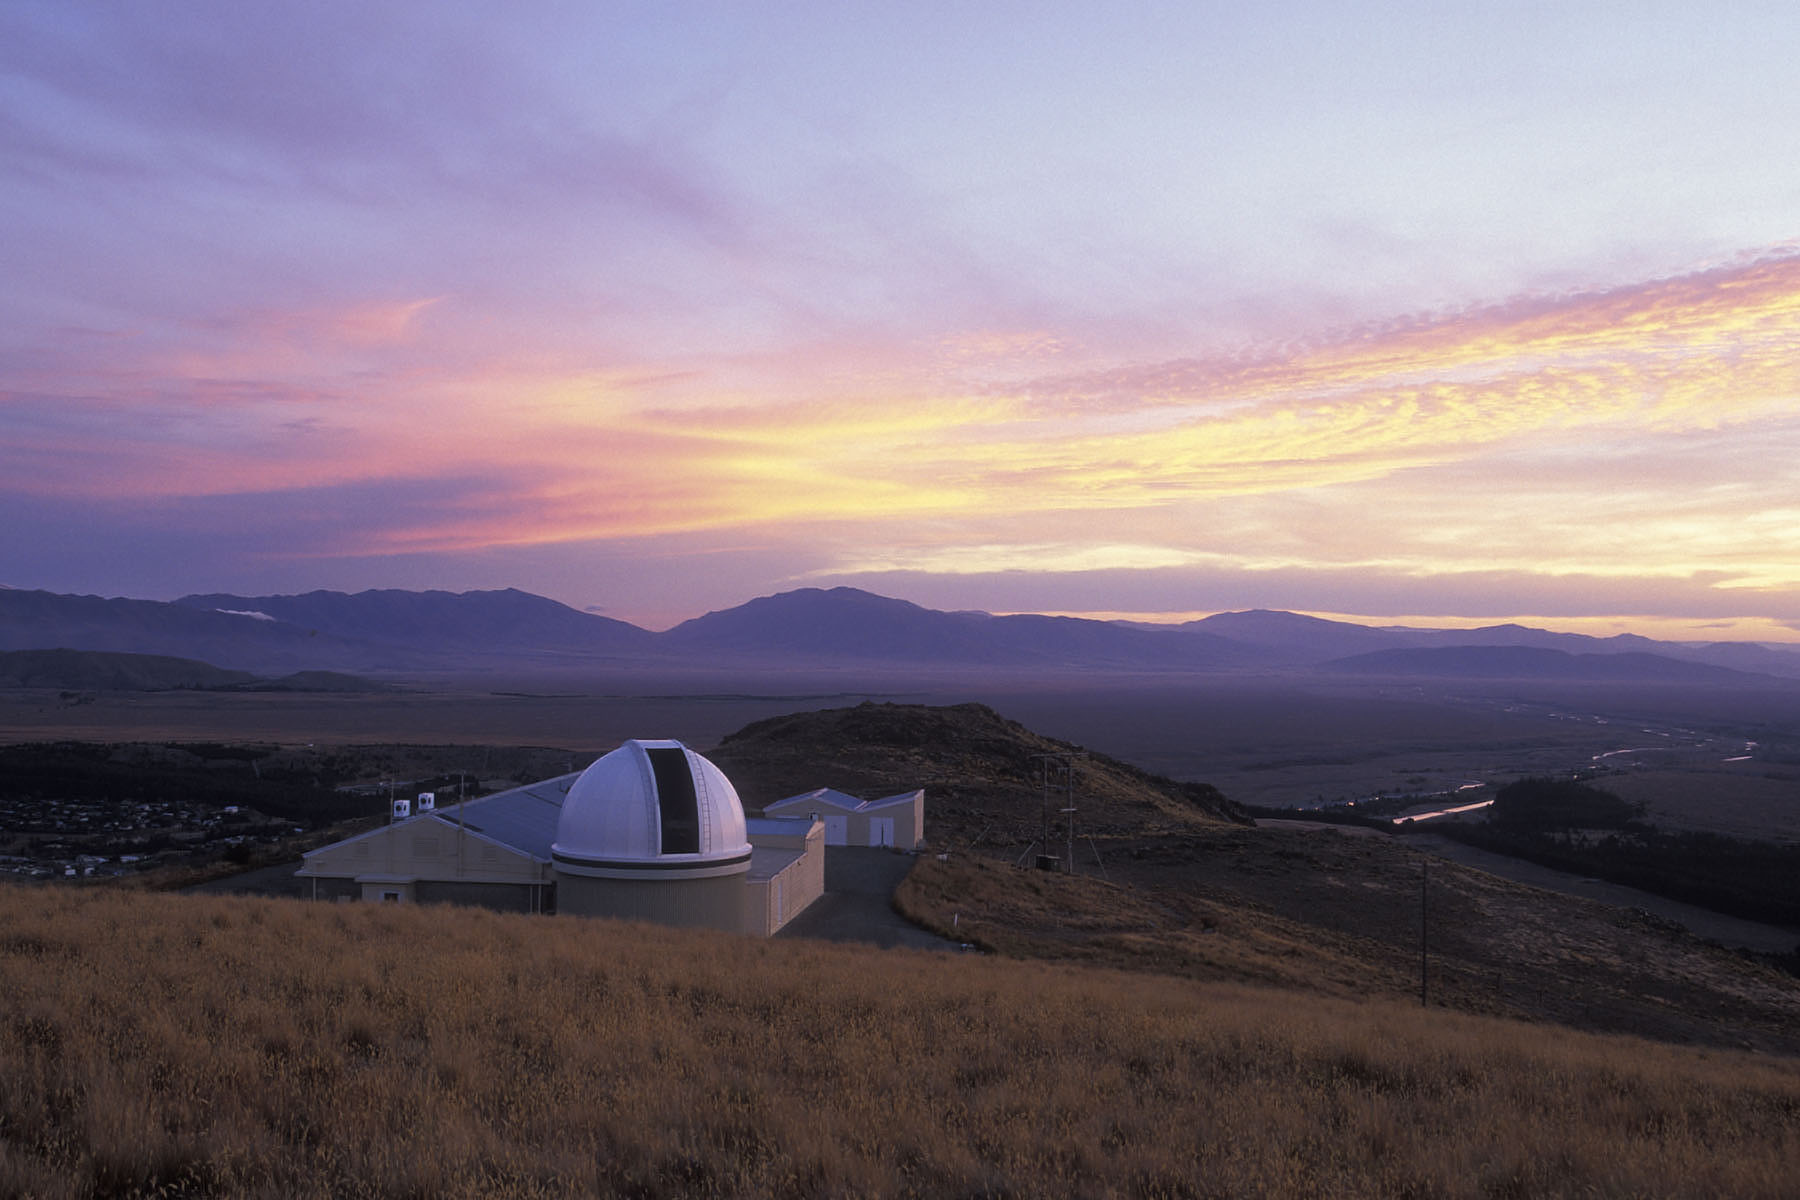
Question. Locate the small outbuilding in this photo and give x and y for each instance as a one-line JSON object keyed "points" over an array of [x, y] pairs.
{"points": [[897, 821]]}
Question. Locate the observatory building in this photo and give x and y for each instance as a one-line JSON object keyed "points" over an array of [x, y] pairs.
{"points": [[651, 831], [655, 831]]}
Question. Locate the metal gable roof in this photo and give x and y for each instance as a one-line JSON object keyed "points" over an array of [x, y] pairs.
{"points": [[826, 797], [898, 800], [523, 818], [840, 801]]}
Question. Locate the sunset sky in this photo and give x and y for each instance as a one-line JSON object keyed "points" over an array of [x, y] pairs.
{"points": [[1421, 312]]}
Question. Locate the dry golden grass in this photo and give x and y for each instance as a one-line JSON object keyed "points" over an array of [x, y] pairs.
{"points": [[154, 1044], [1088, 920], [1338, 915]]}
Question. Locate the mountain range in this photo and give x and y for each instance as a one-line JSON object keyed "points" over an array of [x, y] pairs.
{"points": [[395, 631]]}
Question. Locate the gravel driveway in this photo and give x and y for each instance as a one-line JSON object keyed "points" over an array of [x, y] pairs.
{"points": [[856, 906]]}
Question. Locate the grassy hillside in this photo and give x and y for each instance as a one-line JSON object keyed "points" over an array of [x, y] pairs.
{"points": [[178, 1045], [1171, 882], [1331, 914]]}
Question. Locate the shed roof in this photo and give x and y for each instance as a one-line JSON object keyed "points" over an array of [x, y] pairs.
{"points": [[766, 862], [778, 826], [820, 798], [897, 800]]}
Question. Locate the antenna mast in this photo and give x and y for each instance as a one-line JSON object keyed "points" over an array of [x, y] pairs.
{"points": [[1048, 765]]}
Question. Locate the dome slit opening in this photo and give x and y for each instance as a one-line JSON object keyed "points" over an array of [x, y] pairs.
{"points": [[675, 799]]}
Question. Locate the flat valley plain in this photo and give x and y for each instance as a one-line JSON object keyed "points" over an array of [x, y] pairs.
{"points": [[1724, 760]]}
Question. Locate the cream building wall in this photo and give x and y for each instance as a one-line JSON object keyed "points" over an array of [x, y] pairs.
{"points": [[426, 859], [787, 871]]}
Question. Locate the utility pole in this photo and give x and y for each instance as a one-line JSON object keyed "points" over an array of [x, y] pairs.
{"points": [[1424, 929], [1069, 808]]}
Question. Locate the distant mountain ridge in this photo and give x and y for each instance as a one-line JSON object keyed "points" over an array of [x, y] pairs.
{"points": [[847, 622], [508, 619], [1291, 636], [396, 631], [38, 620]]}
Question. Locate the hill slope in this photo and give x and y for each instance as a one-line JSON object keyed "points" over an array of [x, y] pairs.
{"points": [[1173, 881], [199, 1046], [100, 669], [982, 773], [105, 670]]}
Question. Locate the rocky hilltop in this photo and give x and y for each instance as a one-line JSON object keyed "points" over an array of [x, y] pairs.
{"points": [[982, 773]]}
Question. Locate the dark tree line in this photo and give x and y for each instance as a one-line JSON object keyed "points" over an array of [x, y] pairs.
{"points": [[1538, 804], [1586, 830]]}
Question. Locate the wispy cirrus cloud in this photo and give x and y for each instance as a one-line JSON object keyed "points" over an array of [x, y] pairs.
{"points": [[1718, 350], [643, 448]]}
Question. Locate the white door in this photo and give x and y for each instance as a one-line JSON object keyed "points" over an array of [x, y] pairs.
{"points": [[881, 831], [837, 830]]}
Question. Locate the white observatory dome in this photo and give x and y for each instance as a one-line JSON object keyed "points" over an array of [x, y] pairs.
{"points": [[651, 810]]}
